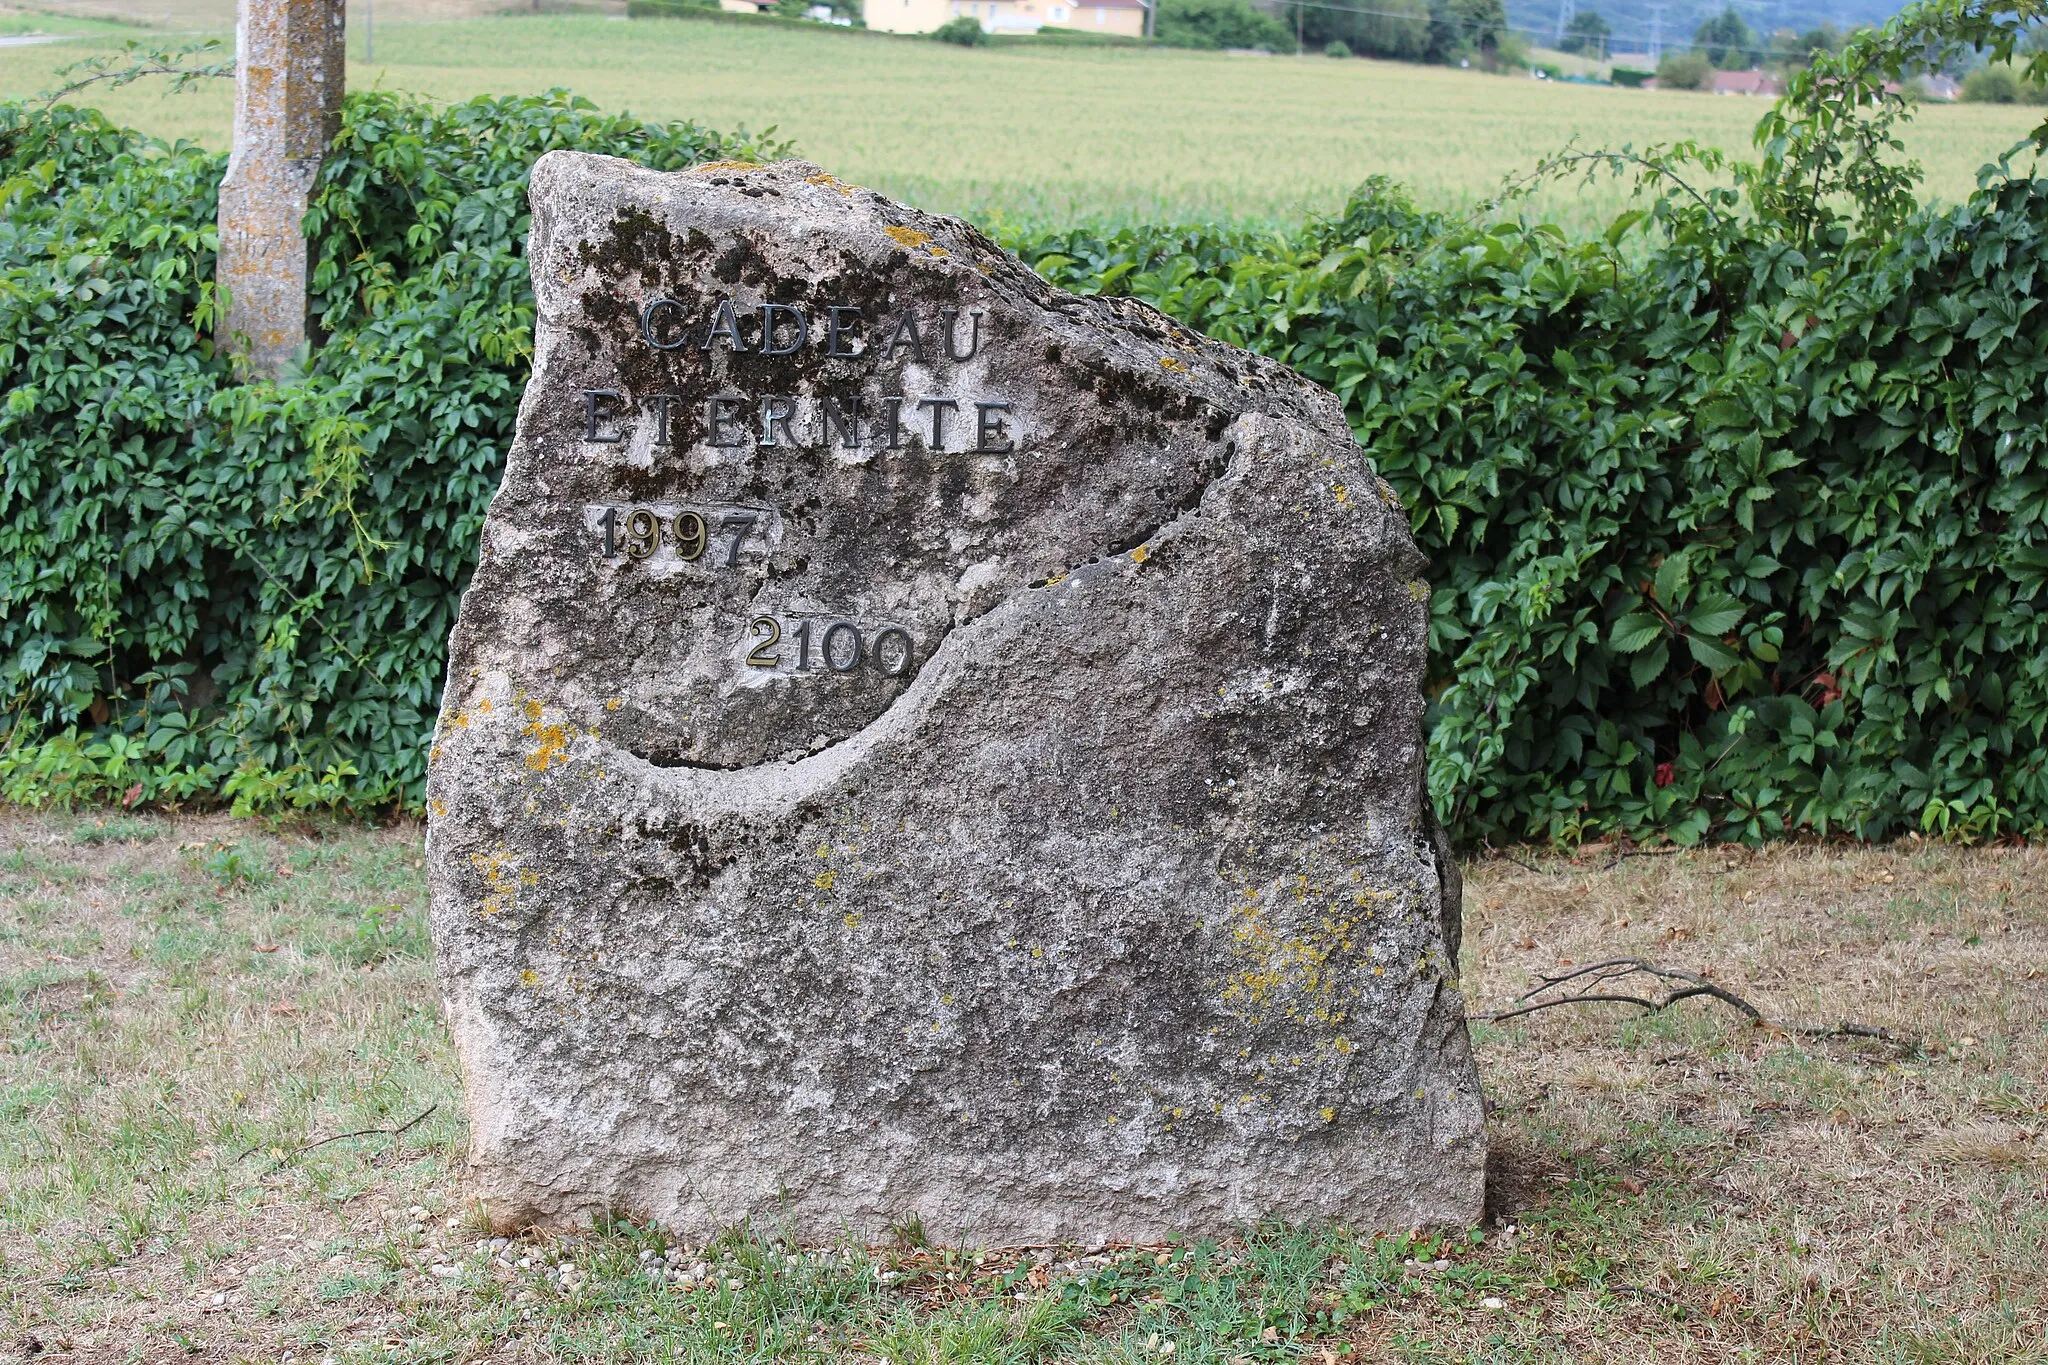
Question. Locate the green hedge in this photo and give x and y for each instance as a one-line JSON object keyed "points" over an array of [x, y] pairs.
{"points": [[214, 589], [1722, 543], [1739, 514]]}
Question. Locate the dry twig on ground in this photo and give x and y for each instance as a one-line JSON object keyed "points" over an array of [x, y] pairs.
{"points": [[305, 1147], [1597, 985]]}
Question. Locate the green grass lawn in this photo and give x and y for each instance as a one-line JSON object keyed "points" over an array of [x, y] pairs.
{"points": [[1058, 136], [231, 1129]]}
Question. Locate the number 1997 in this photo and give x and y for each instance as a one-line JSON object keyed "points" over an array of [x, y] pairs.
{"points": [[638, 532]]}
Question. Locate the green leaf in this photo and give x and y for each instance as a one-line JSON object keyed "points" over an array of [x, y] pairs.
{"points": [[1714, 614], [1712, 653], [1622, 223], [1635, 632], [1673, 576], [1645, 669]]}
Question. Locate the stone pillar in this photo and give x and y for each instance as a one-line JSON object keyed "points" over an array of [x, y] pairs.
{"points": [[289, 78]]}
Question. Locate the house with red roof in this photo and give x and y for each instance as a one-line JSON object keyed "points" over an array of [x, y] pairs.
{"points": [[1747, 83]]}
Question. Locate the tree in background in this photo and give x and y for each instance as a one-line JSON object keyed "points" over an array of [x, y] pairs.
{"points": [[965, 31], [1374, 28], [1461, 29], [1815, 42], [1219, 24], [1727, 42], [1588, 33], [1689, 70], [1400, 29], [2001, 83]]}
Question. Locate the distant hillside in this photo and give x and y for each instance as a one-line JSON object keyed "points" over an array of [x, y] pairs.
{"points": [[1634, 21]]}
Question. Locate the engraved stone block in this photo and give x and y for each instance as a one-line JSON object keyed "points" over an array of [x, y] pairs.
{"points": [[921, 743]]}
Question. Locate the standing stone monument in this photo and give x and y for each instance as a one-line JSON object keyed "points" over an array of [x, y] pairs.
{"points": [[290, 70], [920, 743]]}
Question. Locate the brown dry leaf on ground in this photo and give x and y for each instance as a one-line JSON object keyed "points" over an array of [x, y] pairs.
{"points": [[178, 1021]]}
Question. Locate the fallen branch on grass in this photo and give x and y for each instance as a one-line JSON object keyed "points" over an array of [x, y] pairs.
{"points": [[1622, 854], [1596, 983], [305, 1147]]}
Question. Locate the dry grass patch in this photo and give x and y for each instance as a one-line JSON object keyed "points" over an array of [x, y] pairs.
{"points": [[1745, 1193], [185, 1004]]}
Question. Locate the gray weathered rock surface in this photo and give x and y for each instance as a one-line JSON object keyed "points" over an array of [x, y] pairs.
{"points": [[1079, 887]]}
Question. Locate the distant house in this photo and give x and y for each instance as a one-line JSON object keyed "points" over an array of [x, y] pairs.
{"points": [[1123, 17], [1942, 88], [904, 16], [1747, 83], [1004, 16]]}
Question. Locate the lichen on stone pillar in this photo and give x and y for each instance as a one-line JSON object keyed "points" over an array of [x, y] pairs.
{"points": [[289, 80]]}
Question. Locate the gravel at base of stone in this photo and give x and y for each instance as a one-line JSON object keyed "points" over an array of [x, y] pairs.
{"points": [[923, 747]]}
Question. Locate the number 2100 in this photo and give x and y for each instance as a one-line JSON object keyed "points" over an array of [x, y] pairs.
{"points": [[840, 648]]}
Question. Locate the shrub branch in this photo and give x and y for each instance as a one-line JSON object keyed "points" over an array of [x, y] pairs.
{"points": [[1596, 984], [155, 61]]}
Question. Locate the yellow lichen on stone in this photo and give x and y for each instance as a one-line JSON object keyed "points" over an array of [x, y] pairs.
{"points": [[1167, 362], [830, 182], [909, 237], [726, 166], [1341, 494], [501, 878], [615, 703], [551, 741], [1302, 973], [1418, 590], [1387, 493], [1140, 555], [824, 880]]}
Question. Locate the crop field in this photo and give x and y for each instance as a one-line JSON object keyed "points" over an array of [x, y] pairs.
{"points": [[231, 1129], [1028, 133]]}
